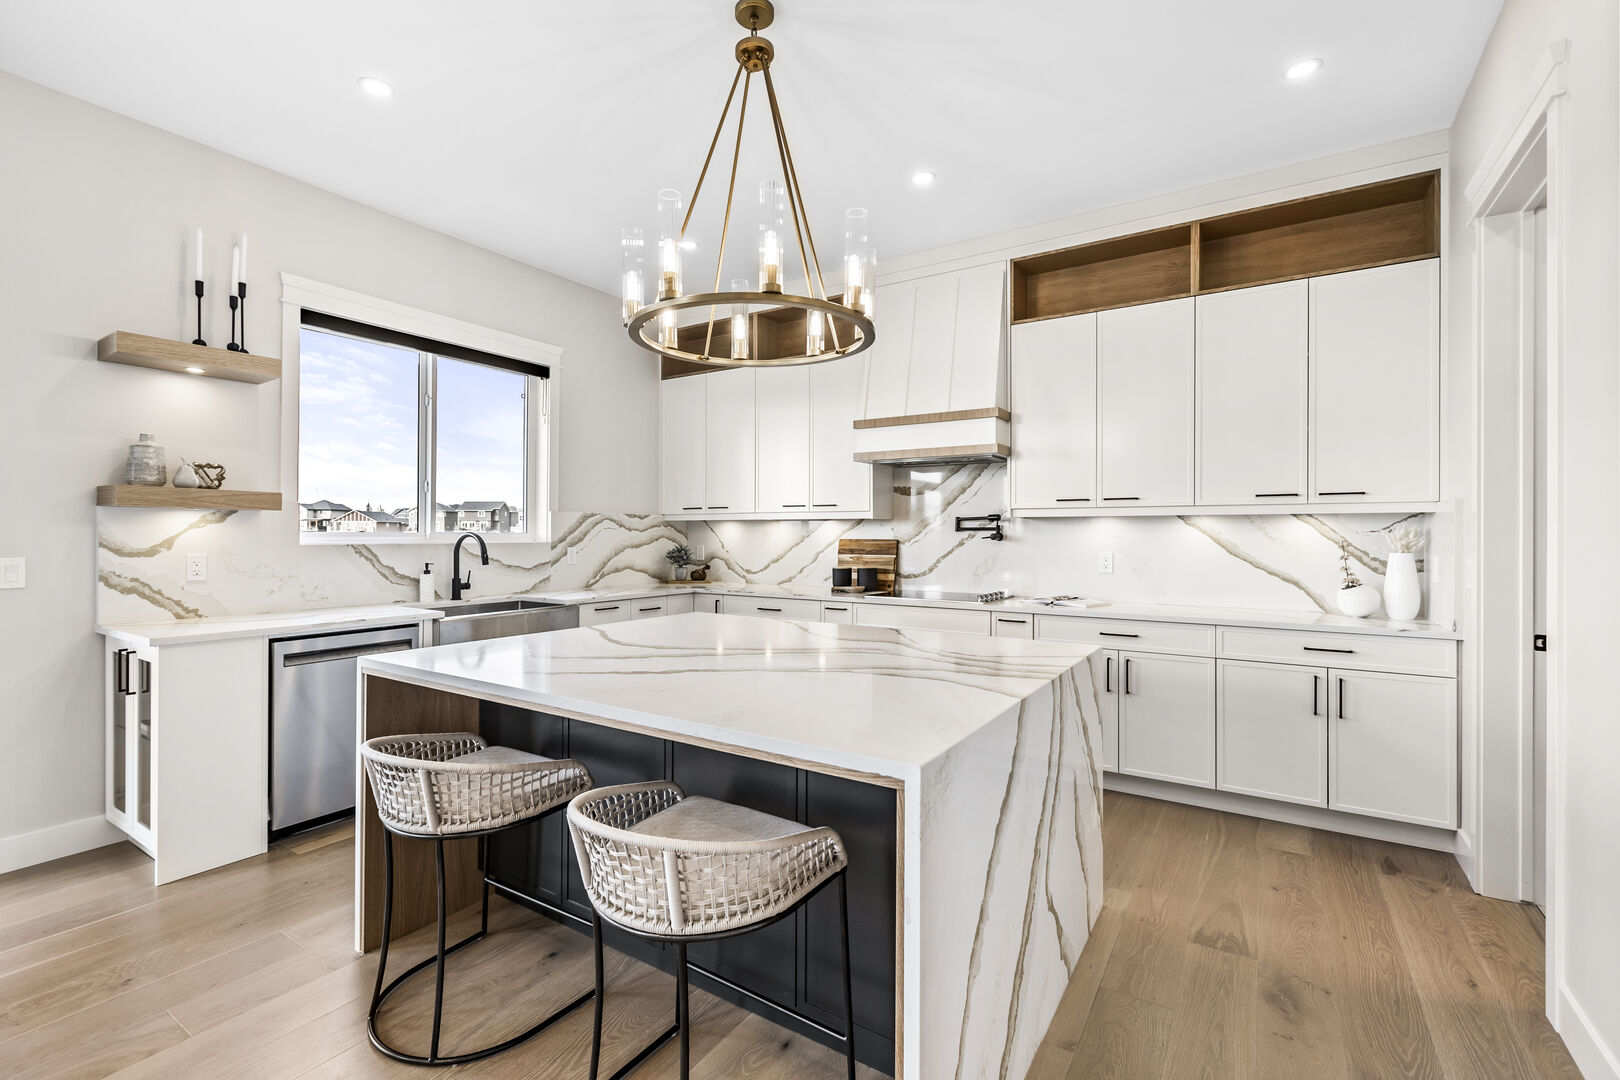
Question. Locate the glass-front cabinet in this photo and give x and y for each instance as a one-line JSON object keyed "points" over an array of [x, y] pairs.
{"points": [[131, 723]]}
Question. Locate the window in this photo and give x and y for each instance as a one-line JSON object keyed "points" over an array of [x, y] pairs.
{"points": [[404, 437]]}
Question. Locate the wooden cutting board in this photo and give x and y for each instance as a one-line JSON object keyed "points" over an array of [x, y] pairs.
{"points": [[880, 555]]}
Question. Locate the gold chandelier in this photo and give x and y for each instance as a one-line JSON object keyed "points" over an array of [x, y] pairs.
{"points": [[755, 323]]}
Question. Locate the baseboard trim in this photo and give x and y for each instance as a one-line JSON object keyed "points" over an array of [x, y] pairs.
{"points": [[1592, 1056], [56, 842], [1396, 832]]}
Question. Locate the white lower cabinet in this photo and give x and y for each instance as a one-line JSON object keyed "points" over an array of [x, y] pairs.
{"points": [[1271, 736], [1015, 626], [1392, 746], [838, 613], [771, 608], [1167, 717], [596, 614], [1105, 681], [922, 618], [650, 607]]}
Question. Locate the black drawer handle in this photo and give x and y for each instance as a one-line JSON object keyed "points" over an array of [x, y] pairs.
{"points": [[823, 506], [615, 607], [1322, 648], [691, 508], [1122, 498], [1325, 493], [1111, 633], [1016, 622], [719, 508], [776, 609], [1108, 674], [793, 506], [660, 607], [1071, 500], [837, 609], [1278, 495]]}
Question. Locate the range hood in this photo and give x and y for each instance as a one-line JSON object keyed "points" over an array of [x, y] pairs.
{"points": [[936, 383]]}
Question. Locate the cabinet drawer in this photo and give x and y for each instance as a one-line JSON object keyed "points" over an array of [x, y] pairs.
{"points": [[1013, 625], [921, 618], [838, 613], [769, 608], [1417, 656], [651, 607], [595, 614], [1153, 637]]}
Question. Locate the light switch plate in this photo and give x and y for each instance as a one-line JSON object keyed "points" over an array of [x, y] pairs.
{"points": [[573, 556], [196, 568], [1105, 563], [13, 572]]}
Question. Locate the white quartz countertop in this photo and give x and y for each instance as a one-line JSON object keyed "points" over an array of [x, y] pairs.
{"points": [[866, 698], [276, 624]]}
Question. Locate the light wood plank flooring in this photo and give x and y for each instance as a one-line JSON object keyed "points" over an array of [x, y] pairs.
{"points": [[1228, 947]]}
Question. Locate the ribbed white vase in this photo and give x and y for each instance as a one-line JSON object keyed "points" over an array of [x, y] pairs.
{"points": [[1402, 594]]}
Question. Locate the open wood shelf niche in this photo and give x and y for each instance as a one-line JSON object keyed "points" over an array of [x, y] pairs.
{"points": [[186, 498], [1392, 221]]}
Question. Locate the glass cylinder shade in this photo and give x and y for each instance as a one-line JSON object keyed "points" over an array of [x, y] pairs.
{"points": [[669, 331], [632, 270], [815, 333], [739, 322], [669, 244], [860, 262], [772, 234]]}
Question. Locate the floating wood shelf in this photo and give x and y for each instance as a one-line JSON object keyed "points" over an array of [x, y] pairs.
{"points": [[1392, 221], [139, 350], [186, 498]]}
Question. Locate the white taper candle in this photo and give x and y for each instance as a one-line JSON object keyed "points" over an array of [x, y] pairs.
{"points": [[199, 255], [243, 275], [236, 265]]}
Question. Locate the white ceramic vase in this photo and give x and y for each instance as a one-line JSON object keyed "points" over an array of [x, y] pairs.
{"points": [[1402, 594], [1358, 602]]}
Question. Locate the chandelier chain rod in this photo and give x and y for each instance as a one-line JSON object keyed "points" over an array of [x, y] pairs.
{"points": [[731, 192], [796, 190], [703, 172], [793, 206]]}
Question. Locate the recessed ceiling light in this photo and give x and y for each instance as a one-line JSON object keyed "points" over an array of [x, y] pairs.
{"points": [[1303, 69], [923, 177], [195, 371], [375, 86], [689, 245]]}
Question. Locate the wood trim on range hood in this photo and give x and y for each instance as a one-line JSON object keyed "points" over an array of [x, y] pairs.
{"points": [[939, 455], [992, 413]]}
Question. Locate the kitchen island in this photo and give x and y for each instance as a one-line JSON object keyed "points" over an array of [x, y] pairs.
{"points": [[963, 772]]}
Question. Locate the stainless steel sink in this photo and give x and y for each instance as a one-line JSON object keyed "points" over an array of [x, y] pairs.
{"points": [[482, 619]]}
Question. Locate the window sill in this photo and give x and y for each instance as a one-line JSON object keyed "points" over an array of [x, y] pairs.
{"points": [[396, 540]]}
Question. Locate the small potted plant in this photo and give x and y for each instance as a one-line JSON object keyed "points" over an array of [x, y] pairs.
{"points": [[1354, 598], [680, 558]]}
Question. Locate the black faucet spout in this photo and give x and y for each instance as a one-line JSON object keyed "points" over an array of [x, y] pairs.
{"points": [[457, 585]]}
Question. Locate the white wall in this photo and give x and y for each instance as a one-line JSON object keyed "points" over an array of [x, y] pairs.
{"points": [[99, 210], [1585, 932]]}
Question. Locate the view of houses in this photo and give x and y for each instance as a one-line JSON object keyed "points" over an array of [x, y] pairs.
{"points": [[478, 516]]}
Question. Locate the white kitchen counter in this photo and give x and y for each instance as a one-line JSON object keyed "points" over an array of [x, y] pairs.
{"points": [[275, 624]]}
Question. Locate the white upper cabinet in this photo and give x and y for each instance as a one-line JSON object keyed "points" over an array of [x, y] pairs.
{"points": [[1253, 359], [1375, 384], [729, 471], [783, 435], [1145, 405], [838, 482], [683, 452], [1054, 413]]}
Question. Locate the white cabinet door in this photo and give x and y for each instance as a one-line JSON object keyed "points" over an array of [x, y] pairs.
{"points": [[1392, 746], [771, 608], [1105, 674], [1167, 718], [1253, 359], [1054, 414], [1375, 384], [1014, 626], [954, 620], [1145, 405], [837, 481], [838, 613], [650, 607], [683, 416], [782, 420], [1271, 731], [729, 475], [609, 612]]}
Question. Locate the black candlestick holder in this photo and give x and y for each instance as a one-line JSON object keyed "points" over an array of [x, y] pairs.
{"points": [[233, 346], [241, 293], [198, 340]]}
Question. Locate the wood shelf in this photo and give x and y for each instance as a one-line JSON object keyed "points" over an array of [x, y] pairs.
{"points": [[1392, 221], [139, 350], [186, 498]]}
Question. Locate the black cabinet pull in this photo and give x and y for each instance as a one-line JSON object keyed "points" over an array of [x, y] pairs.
{"points": [[691, 508], [793, 506], [719, 508], [837, 609], [1071, 500], [1108, 674], [1323, 648], [1341, 698], [823, 506], [1127, 674], [658, 608], [758, 608], [615, 607], [1316, 688], [1016, 622], [120, 672], [1112, 633], [1325, 493], [1278, 495], [1122, 498]]}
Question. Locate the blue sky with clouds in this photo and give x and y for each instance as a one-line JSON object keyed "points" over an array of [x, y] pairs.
{"points": [[357, 426]]}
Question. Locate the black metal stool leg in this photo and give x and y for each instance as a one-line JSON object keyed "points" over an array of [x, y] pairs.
{"points": [[438, 989], [596, 1025], [483, 873], [849, 1002], [388, 918], [683, 1011]]}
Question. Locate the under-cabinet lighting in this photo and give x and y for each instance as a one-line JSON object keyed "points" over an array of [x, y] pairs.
{"points": [[195, 371], [923, 177], [375, 86], [1303, 69]]}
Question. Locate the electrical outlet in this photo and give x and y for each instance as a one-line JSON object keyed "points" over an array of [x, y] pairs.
{"points": [[13, 573], [573, 556], [698, 554], [196, 568], [1105, 563]]}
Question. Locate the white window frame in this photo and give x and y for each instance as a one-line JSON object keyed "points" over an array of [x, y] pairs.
{"points": [[540, 407]]}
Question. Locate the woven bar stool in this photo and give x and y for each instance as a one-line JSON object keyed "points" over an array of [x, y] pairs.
{"points": [[675, 868], [452, 786]]}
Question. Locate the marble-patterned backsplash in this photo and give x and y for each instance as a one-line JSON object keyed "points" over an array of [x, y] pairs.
{"points": [[1271, 561], [257, 565]]}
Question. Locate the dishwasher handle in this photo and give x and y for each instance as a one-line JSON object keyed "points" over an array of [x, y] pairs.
{"points": [[321, 656]]}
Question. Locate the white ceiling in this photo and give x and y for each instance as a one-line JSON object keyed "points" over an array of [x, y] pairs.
{"points": [[537, 128]]}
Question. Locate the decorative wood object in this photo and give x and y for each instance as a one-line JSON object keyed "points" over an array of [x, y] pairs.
{"points": [[994, 412], [186, 498], [1378, 224], [880, 555], [139, 350]]}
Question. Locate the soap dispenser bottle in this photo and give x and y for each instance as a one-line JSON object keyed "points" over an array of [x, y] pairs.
{"points": [[424, 592]]}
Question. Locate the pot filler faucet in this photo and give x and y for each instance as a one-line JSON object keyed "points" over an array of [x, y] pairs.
{"points": [[456, 584]]}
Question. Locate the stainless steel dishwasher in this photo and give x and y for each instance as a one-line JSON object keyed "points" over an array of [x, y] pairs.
{"points": [[314, 736]]}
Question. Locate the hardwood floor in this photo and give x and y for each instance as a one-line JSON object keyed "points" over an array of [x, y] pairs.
{"points": [[1228, 947]]}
